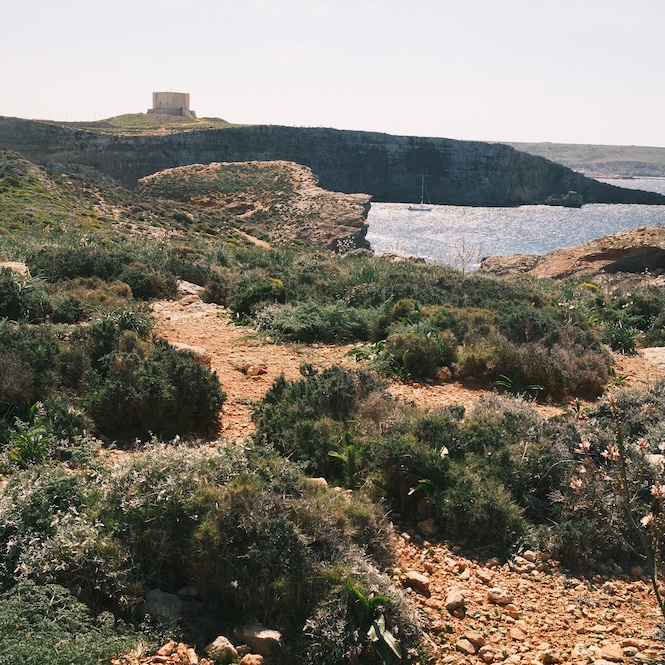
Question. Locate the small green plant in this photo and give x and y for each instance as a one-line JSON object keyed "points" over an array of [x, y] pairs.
{"points": [[368, 611], [618, 379], [577, 410], [29, 444], [515, 386], [424, 485], [350, 460], [621, 337], [28, 447]]}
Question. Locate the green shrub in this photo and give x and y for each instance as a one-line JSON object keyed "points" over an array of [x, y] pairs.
{"points": [[566, 368], [310, 321], [258, 540], [46, 625], [479, 357], [406, 308], [400, 462], [22, 298], [188, 265], [620, 337], [102, 336], [465, 322], [525, 322], [56, 263], [162, 391], [17, 383], [422, 354], [257, 291], [479, 510], [29, 358], [30, 502], [305, 420], [218, 288], [147, 283], [67, 309]]}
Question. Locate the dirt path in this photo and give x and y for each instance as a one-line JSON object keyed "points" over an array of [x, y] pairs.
{"points": [[233, 350]]}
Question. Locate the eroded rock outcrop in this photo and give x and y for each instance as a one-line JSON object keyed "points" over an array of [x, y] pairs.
{"points": [[631, 251], [283, 199], [387, 167]]}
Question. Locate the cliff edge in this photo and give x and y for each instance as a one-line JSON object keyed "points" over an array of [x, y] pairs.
{"points": [[389, 168], [282, 199]]}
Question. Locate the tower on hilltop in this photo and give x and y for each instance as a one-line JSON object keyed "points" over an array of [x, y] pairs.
{"points": [[171, 103]]}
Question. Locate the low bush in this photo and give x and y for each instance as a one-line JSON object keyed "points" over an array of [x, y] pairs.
{"points": [[159, 390], [254, 291], [147, 283], [67, 309], [422, 354], [479, 511], [465, 323], [22, 298], [306, 419], [59, 262], [258, 540], [46, 625], [310, 321], [218, 287], [564, 369], [29, 357]]}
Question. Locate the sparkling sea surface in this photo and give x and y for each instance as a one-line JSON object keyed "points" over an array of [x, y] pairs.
{"points": [[461, 235]]}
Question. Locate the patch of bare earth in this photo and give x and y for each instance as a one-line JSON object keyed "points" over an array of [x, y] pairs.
{"points": [[548, 617], [245, 364]]}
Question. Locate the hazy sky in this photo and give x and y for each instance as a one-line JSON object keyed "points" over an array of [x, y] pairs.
{"points": [[575, 71]]}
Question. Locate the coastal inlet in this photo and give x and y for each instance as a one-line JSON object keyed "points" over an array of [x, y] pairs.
{"points": [[461, 236]]}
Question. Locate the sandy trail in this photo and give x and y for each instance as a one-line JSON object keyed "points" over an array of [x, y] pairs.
{"points": [[231, 347]]}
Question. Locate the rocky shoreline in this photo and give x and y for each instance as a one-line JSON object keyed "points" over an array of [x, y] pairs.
{"points": [[636, 251]]}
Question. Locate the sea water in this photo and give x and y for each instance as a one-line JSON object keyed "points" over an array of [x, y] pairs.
{"points": [[461, 235]]}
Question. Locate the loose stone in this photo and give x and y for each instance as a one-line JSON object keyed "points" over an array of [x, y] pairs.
{"points": [[454, 600], [465, 646], [417, 581], [612, 651], [499, 596]]}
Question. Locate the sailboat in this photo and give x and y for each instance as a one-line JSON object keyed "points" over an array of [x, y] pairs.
{"points": [[422, 207]]}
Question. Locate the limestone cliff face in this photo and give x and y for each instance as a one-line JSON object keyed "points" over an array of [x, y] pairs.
{"points": [[389, 168]]}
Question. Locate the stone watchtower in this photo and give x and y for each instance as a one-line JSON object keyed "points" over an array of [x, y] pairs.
{"points": [[171, 103]]}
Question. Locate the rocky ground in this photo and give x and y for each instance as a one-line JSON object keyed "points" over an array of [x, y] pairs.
{"points": [[291, 207], [527, 610], [637, 251], [478, 611]]}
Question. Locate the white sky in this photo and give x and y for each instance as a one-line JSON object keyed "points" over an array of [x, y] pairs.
{"points": [[567, 71]]}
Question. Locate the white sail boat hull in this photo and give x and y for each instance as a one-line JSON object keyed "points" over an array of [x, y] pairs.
{"points": [[422, 207]]}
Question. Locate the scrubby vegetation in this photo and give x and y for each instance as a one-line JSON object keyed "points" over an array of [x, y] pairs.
{"points": [[252, 528]]}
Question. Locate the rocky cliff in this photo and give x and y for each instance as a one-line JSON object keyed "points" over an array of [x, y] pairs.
{"points": [[282, 199], [632, 251], [389, 168]]}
